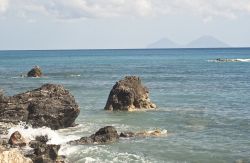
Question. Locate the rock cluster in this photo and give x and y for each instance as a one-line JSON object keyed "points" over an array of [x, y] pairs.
{"points": [[109, 134], [43, 152], [40, 152], [50, 105], [35, 72], [129, 94]]}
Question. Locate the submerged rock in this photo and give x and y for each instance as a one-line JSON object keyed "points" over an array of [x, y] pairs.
{"points": [[227, 60], [153, 133], [106, 134], [50, 105], [35, 72], [16, 139], [129, 94]]}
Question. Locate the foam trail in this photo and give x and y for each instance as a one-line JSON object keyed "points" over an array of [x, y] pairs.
{"points": [[243, 60]]}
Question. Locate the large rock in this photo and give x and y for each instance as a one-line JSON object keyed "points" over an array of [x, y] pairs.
{"points": [[35, 72], [106, 134], [50, 105], [12, 156], [129, 94]]}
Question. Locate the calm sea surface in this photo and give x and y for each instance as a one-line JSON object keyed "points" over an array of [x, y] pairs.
{"points": [[205, 106]]}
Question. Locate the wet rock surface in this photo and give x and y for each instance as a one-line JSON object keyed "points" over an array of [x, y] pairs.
{"points": [[106, 134], [16, 139], [129, 94], [36, 71], [50, 105]]}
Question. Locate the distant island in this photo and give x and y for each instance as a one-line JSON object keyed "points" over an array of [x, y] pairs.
{"points": [[201, 42]]}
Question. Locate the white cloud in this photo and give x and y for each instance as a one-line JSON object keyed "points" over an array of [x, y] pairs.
{"points": [[3, 5], [75, 9]]}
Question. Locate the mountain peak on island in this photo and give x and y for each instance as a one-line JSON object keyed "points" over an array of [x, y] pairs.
{"points": [[163, 43], [207, 42]]}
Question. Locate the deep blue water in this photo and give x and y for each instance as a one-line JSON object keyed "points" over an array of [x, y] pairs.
{"points": [[205, 106]]}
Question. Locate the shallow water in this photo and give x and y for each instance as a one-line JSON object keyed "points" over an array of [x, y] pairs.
{"points": [[205, 106]]}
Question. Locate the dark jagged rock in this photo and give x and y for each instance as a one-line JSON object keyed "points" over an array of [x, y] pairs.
{"points": [[106, 134], [35, 72], [129, 94], [50, 105], [43, 152], [16, 139], [42, 139]]}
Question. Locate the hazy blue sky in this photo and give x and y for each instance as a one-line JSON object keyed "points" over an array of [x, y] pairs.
{"points": [[70, 24]]}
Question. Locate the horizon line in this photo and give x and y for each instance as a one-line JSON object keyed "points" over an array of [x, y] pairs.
{"points": [[76, 49]]}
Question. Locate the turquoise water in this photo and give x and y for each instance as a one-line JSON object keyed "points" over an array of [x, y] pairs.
{"points": [[205, 106]]}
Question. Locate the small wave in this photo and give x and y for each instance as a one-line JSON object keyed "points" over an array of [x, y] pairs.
{"points": [[75, 75], [102, 153]]}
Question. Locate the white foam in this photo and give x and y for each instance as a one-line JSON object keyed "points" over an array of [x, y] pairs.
{"points": [[103, 153], [75, 75], [243, 60], [30, 133]]}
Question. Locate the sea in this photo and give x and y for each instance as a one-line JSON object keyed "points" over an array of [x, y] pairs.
{"points": [[203, 105]]}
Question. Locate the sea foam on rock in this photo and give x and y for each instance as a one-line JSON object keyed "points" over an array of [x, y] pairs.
{"points": [[50, 105], [129, 94]]}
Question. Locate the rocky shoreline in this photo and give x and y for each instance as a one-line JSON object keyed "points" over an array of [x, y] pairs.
{"points": [[53, 106]]}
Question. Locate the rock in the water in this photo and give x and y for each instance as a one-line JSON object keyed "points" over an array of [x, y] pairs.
{"points": [[50, 105], [127, 134], [227, 60], [152, 133], [129, 94], [12, 156], [16, 139], [106, 134], [35, 72]]}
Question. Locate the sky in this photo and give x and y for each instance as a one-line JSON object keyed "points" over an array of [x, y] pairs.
{"points": [[116, 24]]}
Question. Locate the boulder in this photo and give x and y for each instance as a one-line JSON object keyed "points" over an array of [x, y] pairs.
{"points": [[129, 94], [35, 72], [50, 105], [12, 156], [16, 139], [106, 134]]}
